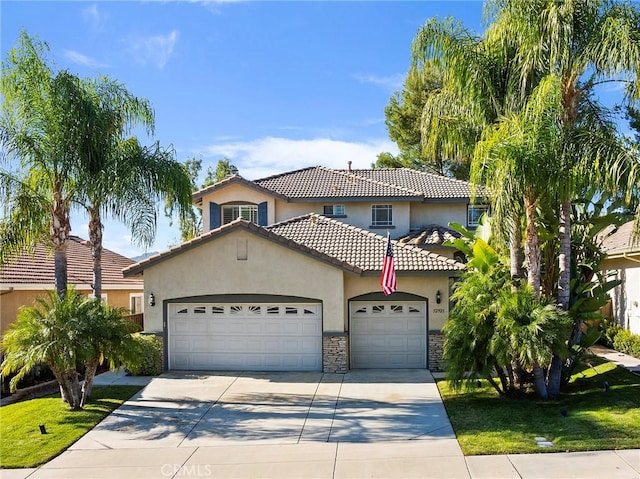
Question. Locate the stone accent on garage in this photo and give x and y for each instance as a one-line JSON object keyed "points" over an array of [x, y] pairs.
{"points": [[436, 346], [335, 352]]}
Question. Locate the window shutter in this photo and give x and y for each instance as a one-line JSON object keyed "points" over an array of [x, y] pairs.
{"points": [[263, 219], [214, 216]]}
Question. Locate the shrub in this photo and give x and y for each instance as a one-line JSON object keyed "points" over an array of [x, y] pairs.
{"points": [[628, 343], [609, 330], [151, 353]]}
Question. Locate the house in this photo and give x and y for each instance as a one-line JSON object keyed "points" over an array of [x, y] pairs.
{"points": [[623, 257], [286, 274], [28, 276]]}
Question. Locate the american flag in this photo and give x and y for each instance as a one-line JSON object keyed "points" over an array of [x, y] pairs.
{"points": [[388, 278]]}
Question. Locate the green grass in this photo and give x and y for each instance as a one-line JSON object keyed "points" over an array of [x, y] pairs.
{"points": [[22, 445], [595, 419]]}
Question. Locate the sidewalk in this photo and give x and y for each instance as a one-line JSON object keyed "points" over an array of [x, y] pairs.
{"points": [[621, 359]]}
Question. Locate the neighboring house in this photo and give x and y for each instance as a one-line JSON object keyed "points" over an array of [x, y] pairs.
{"points": [[623, 257], [28, 276], [286, 275]]}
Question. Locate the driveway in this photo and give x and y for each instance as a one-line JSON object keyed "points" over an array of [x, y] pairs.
{"points": [[202, 409], [365, 424]]}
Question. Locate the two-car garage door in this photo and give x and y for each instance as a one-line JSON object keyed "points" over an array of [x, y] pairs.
{"points": [[245, 336]]}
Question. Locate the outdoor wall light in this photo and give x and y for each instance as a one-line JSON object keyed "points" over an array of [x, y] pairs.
{"points": [[438, 297], [152, 299]]}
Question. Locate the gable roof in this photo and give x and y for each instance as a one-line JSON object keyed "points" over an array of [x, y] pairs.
{"points": [[430, 235], [231, 180], [620, 240], [330, 241], [39, 267]]}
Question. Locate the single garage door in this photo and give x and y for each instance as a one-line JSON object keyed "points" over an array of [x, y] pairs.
{"points": [[245, 336], [388, 334]]}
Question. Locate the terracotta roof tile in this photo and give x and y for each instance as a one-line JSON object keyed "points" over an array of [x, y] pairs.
{"points": [[328, 240], [359, 247], [39, 267], [620, 240], [320, 182], [430, 235]]}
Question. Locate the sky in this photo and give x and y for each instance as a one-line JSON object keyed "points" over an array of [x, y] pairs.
{"points": [[272, 86]]}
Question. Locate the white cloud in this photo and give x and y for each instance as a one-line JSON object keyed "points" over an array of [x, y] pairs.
{"points": [[81, 59], [94, 17], [391, 82], [154, 49], [271, 155]]}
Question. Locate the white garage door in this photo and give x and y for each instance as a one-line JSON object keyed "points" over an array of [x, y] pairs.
{"points": [[245, 336], [388, 335]]}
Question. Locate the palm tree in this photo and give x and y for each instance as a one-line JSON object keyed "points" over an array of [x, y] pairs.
{"points": [[63, 332], [40, 134], [121, 178], [50, 333], [583, 43]]}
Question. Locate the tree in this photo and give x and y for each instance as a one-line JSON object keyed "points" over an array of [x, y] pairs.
{"points": [[63, 332], [569, 46], [40, 133], [403, 115], [120, 178]]}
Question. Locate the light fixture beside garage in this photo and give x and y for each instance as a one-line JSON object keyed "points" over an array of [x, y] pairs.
{"points": [[438, 297], [152, 299]]}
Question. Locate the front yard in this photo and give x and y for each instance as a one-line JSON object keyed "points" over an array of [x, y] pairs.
{"points": [[586, 418], [22, 445]]}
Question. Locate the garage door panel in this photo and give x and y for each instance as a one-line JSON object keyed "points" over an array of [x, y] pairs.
{"points": [[388, 335], [245, 337]]}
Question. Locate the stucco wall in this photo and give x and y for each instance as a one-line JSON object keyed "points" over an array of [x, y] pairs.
{"points": [[12, 301], [236, 193], [270, 268], [423, 214], [626, 299], [425, 286]]}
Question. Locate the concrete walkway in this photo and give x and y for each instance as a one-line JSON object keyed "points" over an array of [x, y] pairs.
{"points": [[365, 424], [621, 359]]}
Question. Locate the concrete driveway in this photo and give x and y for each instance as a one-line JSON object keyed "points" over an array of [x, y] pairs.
{"points": [[198, 409], [365, 424]]}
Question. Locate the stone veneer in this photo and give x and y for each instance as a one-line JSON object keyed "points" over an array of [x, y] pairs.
{"points": [[436, 344], [335, 352]]}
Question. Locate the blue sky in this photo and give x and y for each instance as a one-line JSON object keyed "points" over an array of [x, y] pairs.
{"points": [[273, 86]]}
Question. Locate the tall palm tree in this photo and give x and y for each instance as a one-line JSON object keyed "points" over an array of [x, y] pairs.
{"points": [[40, 134], [120, 177], [583, 43]]}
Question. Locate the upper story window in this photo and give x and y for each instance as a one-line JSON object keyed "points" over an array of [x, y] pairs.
{"points": [[474, 212], [381, 215], [334, 210], [233, 212]]}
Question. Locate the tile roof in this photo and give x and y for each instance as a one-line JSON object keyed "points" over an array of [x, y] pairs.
{"points": [[620, 240], [321, 182], [430, 185], [358, 247], [430, 235], [230, 180], [328, 240], [39, 268]]}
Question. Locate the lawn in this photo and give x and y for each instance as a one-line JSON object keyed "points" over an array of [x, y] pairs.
{"points": [[586, 418], [22, 445]]}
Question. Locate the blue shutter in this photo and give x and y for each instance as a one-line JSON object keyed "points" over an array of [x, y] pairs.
{"points": [[214, 216], [263, 219]]}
